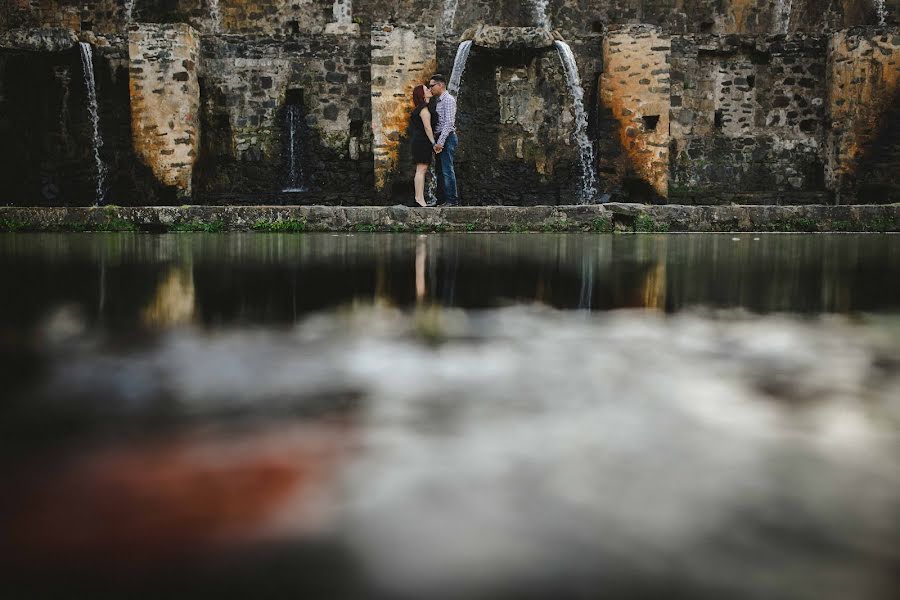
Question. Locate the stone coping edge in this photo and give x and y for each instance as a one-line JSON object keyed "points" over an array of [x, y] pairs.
{"points": [[612, 217]]}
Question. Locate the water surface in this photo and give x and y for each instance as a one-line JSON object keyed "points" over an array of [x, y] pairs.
{"points": [[450, 416]]}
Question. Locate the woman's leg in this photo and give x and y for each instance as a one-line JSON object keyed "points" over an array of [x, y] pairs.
{"points": [[420, 183]]}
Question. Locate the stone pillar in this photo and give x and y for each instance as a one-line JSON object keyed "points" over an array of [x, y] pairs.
{"points": [[863, 92], [401, 59], [634, 86], [165, 100]]}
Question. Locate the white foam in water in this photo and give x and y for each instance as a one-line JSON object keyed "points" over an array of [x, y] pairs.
{"points": [[94, 114], [295, 169], [459, 66], [586, 149]]}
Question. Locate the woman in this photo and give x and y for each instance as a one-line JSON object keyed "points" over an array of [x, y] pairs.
{"points": [[422, 136]]}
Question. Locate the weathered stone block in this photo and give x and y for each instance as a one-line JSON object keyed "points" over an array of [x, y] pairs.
{"points": [[165, 122]]}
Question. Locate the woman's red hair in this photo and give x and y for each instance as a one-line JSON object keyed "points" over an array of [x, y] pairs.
{"points": [[419, 95]]}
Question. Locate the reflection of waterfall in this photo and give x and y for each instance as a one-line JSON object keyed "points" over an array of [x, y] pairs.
{"points": [[581, 124], [879, 10], [449, 15], [215, 16], [586, 296], [540, 14], [129, 9], [459, 66], [93, 111], [295, 169], [782, 16]]}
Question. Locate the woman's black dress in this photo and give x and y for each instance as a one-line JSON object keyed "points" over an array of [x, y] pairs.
{"points": [[422, 150]]}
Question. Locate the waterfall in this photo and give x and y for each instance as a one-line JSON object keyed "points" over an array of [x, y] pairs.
{"points": [[540, 14], [215, 16], [782, 16], [459, 66], [129, 9], [93, 112], [879, 10], [295, 170], [449, 15], [581, 125]]}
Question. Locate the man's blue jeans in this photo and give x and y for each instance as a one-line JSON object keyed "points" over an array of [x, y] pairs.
{"points": [[446, 188]]}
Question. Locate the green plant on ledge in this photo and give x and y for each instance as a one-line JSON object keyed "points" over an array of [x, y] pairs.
{"points": [[8, 226], [279, 226], [198, 226], [365, 228], [646, 224], [114, 224], [601, 225], [555, 226]]}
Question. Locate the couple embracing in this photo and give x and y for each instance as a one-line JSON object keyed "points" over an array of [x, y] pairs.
{"points": [[433, 135]]}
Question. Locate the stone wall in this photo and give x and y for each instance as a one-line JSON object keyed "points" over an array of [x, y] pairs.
{"points": [[634, 91], [748, 113], [247, 83], [165, 101], [863, 147], [401, 59], [699, 100]]}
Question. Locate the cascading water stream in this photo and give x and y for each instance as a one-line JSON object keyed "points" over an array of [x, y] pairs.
{"points": [[94, 114], [782, 16], [129, 9], [459, 66], [540, 13], [215, 15], [585, 147], [879, 11], [449, 15], [295, 169]]}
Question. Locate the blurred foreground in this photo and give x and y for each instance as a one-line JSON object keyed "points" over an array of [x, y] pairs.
{"points": [[519, 452]]}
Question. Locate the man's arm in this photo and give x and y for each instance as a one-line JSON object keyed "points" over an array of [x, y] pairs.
{"points": [[449, 119]]}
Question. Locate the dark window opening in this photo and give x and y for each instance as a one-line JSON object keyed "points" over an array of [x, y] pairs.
{"points": [[356, 128], [751, 81], [293, 27], [294, 97], [650, 122], [706, 27], [719, 120], [597, 26], [87, 25]]}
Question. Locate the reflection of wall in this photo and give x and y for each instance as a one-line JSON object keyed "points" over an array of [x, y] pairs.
{"points": [[174, 300]]}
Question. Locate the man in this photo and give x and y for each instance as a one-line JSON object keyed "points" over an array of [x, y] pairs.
{"points": [[445, 147]]}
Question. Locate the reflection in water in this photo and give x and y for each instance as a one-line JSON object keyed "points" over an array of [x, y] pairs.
{"points": [[447, 436], [257, 278], [174, 300]]}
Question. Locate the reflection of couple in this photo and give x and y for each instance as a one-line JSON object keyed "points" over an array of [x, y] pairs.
{"points": [[434, 115]]}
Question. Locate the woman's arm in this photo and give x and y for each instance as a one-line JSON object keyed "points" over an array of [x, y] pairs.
{"points": [[426, 120]]}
